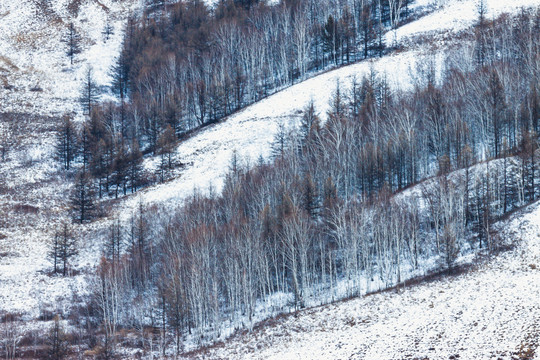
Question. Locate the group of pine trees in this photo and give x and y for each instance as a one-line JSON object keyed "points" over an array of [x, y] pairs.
{"points": [[105, 163]]}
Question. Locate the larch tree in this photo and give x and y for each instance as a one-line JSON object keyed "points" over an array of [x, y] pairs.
{"points": [[66, 145], [83, 197], [89, 91], [54, 252], [63, 249], [72, 38]]}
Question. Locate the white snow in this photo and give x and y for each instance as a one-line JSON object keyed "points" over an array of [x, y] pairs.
{"points": [[451, 17], [32, 53]]}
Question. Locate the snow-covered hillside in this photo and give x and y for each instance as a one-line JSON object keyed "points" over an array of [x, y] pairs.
{"points": [[450, 17], [36, 77], [251, 131], [489, 312], [35, 72]]}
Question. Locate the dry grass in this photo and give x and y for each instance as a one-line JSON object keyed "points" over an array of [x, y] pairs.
{"points": [[102, 6], [31, 40], [4, 82], [527, 349], [7, 64]]}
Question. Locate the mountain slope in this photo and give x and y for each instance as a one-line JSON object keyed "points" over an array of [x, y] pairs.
{"points": [[25, 285], [40, 78]]}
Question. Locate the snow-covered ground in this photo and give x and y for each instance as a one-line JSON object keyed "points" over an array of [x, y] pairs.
{"points": [[492, 311], [32, 56], [448, 17], [35, 72], [38, 81]]}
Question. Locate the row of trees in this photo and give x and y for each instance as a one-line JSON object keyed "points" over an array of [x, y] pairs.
{"points": [[184, 65], [330, 216]]}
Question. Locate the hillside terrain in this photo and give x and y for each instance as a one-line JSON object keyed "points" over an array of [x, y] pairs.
{"points": [[471, 314], [39, 86]]}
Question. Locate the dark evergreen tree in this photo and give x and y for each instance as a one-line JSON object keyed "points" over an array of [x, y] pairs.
{"points": [[54, 252], [497, 111], [67, 247], [107, 30], [120, 85], [366, 29], [114, 245], [85, 147], [82, 198], [310, 196], [66, 146], [89, 92], [73, 42]]}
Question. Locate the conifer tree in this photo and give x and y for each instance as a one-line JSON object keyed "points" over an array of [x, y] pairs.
{"points": [[66, 146], [67, 247], [63, 249], [82, 198], [89, 92], [73, 42]]}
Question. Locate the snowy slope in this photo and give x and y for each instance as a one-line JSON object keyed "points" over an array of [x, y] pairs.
{"points": [[491, 311], [251, 131], [35, 72], [31, 53], [451, 17], [37, 80]]}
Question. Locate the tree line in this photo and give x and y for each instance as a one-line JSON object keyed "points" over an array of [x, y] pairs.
{"points": [[184, 65]]}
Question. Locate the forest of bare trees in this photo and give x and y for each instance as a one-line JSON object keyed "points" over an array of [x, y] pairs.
{"points": [[339, 210], [184, 66], [385, 187]]}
